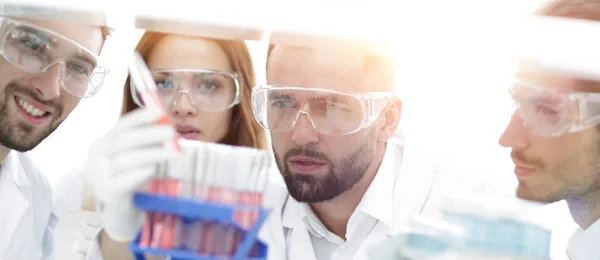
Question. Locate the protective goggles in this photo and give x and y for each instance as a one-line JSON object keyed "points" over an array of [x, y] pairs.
{"points": [[207, 90], [550, 113], [330, 112], [35, 50]]}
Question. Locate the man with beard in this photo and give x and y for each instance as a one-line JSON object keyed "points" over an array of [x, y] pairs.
{"points": [[46, 67], [555, 139], [351, 179], [333, 122]]}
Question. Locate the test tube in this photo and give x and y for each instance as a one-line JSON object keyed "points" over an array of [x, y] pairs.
{"points": [[157, 217], [259, 187], [244, 198], [181, 188], [174, 185], [193, 228], [152, 188], [207, 233], [224, 234]]}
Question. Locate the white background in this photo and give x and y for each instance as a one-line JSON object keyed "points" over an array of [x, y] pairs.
{"points": [[450, 81]]}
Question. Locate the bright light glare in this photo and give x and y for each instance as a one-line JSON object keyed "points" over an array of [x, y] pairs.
{"points": [[451, 82]]}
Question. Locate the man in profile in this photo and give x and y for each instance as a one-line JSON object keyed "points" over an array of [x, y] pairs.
{"points": [[555, 138]]}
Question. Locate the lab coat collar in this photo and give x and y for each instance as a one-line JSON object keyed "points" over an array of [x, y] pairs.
{"points": [[583, 245], [13, 180], [17, 172], [378, 201]]}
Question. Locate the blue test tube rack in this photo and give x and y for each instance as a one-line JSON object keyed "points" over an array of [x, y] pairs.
{"points": [[192, 210]]}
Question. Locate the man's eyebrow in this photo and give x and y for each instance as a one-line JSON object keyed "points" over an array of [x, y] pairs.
{"points": [[85, 58], [48, 39], [279, 95], [38, 33]]}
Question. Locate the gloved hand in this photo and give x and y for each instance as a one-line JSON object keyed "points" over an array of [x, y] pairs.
{"points": [[122, 162]]}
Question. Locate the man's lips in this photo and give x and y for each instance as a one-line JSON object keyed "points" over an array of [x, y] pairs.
{"points": [[522, 169], [30, 110], [304, 164], [34, 103]]}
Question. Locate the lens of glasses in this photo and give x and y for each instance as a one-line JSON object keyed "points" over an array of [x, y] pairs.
{"points": [[205, 89], [36, 50], [545, 112], [332, 113]]}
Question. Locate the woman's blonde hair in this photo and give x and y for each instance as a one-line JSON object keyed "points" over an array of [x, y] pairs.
{"points": [[243, 130]]}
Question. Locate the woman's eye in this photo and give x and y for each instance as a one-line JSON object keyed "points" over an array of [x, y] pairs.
{"points": [[208, 85], [163, 83], [282, 103]]}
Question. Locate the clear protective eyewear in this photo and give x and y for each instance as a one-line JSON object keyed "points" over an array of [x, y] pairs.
{"points": [[277, 108], [35, 50], [549, 113], [208, 90]]}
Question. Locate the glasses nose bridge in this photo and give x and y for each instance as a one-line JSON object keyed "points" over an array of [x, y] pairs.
{"points": [[63, 67], [518, 114], [304, 111], [179, 94]]}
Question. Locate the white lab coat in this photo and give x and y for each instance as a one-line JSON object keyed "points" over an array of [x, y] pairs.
{"points": [[26, 228], [583, 245]]}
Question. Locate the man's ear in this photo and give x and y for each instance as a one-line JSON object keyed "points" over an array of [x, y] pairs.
{"points": [[391, 119]]}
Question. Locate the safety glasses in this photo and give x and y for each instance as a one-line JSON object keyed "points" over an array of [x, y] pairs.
{"points": [[551, 113], [277, 108], [35, 50], [207, 90]]}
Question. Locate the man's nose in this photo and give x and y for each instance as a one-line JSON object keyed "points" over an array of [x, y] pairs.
{"points": [[515, 134], [182, 105], [49, 83], [303, 132]]}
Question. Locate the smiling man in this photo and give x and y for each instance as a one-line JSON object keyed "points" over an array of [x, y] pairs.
{"points": [[45, 69], [555, 139]]}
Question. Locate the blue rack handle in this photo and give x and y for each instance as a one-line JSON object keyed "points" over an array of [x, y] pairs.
{"points": [[195, 210]]}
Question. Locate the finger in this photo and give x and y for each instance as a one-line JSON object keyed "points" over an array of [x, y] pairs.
{"points": [[138, 117], [133, 159], [131, 181], [136, 138]]}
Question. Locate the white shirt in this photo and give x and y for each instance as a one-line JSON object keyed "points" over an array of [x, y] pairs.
{"points": [[584, 244], [399, 190], [26, 228]]}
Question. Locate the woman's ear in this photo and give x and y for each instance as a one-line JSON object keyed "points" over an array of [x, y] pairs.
{"points": [[391, 118]]}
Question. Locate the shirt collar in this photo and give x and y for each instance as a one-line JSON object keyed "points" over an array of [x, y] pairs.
{"points": [[312, 222], [584, 243], [13, 168], [377, 201]]}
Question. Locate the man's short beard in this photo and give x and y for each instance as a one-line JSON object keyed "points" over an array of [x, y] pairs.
{"points": [[339, 179], [18, 136]]}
